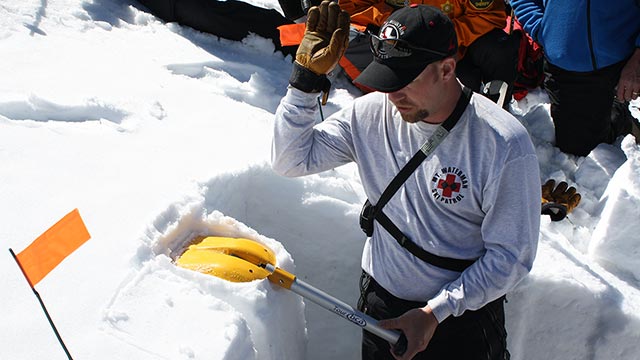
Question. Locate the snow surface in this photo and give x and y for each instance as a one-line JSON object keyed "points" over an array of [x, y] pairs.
{"points": [[158, 133]]}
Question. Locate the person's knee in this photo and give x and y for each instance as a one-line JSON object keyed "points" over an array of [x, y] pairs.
{"points": [[496, 54]]}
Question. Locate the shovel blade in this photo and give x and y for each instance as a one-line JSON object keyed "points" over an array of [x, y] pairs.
{"points": [[232, 259]]}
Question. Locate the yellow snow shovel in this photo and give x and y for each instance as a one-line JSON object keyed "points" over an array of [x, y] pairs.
{"points": [[242, 260]]}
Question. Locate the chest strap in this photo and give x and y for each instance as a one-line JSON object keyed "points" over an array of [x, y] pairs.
{"points": [[371, 212]]}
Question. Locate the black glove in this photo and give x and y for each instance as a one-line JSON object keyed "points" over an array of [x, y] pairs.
{"points": [[559, 201], [325, 41]]}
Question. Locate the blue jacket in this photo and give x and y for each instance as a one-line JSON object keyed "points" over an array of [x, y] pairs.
{"points": [[582, 35]]}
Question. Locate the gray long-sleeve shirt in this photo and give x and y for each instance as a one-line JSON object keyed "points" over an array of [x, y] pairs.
{"points": [[493, 215]]}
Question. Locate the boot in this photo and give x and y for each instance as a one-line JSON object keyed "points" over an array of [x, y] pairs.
{"points": [[621, 120]]}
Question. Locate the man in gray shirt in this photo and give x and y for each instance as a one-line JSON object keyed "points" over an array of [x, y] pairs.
{"points": [[460, 228]]}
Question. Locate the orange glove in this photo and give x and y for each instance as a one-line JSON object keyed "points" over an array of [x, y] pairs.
{"points": [[559, 201]]}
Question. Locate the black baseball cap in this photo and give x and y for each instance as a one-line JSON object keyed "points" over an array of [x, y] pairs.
{"points": [[410, 39]]}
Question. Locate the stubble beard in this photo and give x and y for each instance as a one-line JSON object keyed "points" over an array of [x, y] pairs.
{"points": [[418, 116]]}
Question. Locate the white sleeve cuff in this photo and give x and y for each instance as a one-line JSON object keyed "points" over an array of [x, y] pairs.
{"points": [[440, 306]]}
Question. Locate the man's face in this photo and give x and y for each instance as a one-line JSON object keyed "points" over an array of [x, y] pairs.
{"points": [[419, 100]]}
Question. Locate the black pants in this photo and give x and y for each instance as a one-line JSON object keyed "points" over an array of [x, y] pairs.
{"points": [[581, 107], [229, 19], [493, 56], [475, 335]]}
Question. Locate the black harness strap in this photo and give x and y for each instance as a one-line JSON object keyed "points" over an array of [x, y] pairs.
{"points": [[439, 261], [458, 265]]}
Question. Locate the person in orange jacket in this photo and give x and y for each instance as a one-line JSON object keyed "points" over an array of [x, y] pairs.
{"points": [[487, 55], [471, 19]]}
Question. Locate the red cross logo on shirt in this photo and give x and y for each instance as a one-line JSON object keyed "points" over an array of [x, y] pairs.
{"points": [[449, 186]]}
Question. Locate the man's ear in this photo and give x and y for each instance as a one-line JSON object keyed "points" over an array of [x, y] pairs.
{"points": [[448, 68]]}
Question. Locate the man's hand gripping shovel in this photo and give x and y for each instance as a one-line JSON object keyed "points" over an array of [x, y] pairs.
{"points": [[244, 260]]}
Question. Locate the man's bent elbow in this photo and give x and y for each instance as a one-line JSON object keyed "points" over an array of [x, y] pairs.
{"points": [[286, 171]]}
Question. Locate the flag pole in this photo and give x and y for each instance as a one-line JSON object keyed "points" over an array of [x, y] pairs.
{"points": [[44, 308]]}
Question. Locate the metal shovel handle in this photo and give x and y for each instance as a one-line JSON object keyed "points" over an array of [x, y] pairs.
{"points": [[241, 260], [338, 307]]}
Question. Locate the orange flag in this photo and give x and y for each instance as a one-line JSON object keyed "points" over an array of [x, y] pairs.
{"points": [[53, 246]]}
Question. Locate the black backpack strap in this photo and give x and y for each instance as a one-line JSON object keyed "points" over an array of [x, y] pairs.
{"points": [[377, 213], [458, 265], [426, 149]]}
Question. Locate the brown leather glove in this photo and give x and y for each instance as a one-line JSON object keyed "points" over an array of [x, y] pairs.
{"points": [[558, 201], [325, 41]]}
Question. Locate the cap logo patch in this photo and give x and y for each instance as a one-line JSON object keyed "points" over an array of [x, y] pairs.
{"points": [[392, 30]]}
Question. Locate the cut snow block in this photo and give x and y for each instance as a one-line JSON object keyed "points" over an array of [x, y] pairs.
{"points": [[203, 316], [615, 244], [193, 323], [569, 308]]}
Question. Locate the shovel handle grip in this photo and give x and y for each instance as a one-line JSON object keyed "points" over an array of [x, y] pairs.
{"points": [[400, 347], [289, 281]]}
